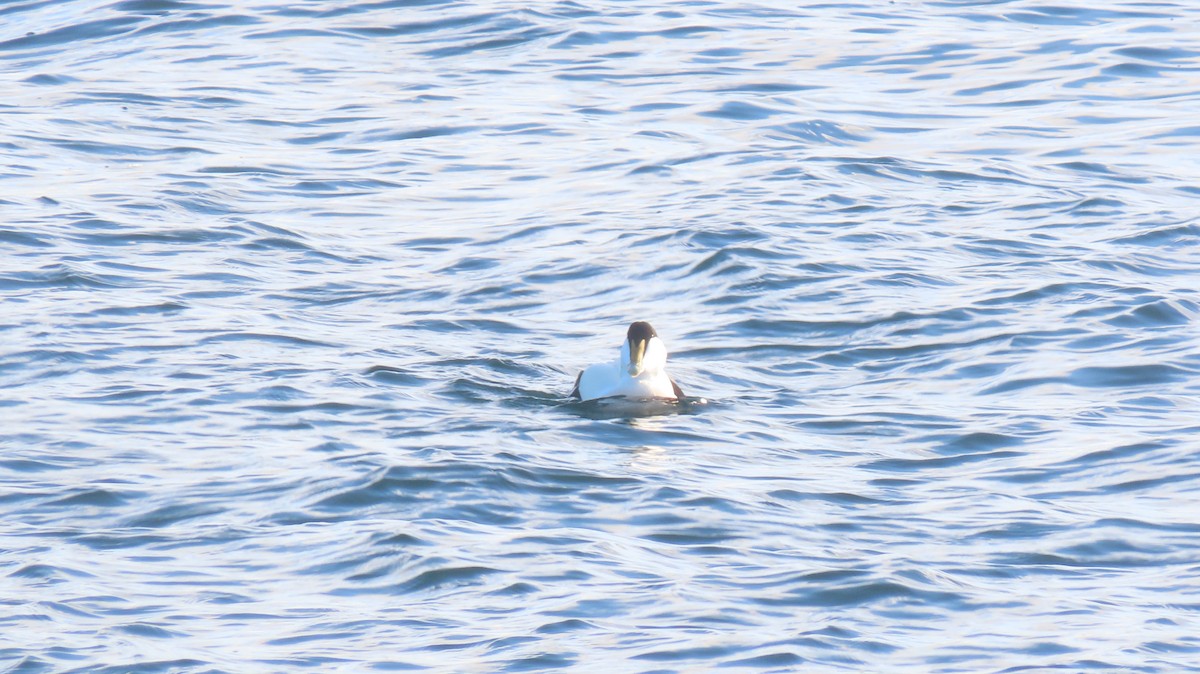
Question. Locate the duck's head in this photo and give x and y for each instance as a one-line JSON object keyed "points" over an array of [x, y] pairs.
{"points": [[643, 351]]}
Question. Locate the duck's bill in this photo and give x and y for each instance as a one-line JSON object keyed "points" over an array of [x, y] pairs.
{"points": [[637, 351]]}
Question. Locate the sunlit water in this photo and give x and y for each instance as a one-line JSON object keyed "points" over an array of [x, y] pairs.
{"points": [[292, 296]]}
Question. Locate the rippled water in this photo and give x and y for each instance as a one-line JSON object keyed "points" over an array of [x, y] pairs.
{"points": [[293, 295]]}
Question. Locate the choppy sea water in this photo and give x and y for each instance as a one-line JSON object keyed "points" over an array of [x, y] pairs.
{"points": [[292, 296]]}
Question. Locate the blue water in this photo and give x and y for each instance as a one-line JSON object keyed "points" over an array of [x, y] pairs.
{"points": [[293, 294]]}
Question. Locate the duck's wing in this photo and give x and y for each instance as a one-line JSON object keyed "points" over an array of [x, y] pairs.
{"points": [[678, 391], [575, 391]]}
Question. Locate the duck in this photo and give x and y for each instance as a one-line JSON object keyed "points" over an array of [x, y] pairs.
{"points": [[639, 372]]}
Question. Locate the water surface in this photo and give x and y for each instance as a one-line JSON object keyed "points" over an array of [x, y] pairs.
{"points": [[293, 296]]}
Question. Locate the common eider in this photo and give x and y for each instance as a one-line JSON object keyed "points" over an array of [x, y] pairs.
{"points": [[640, 371]]}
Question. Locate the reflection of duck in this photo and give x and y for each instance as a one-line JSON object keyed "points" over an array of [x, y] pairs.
{"points": [[639, 373]]}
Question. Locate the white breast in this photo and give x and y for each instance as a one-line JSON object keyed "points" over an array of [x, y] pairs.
{"points": [[610, 379]]}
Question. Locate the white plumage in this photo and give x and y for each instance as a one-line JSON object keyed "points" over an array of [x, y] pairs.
{"points": [[639, 372]]}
